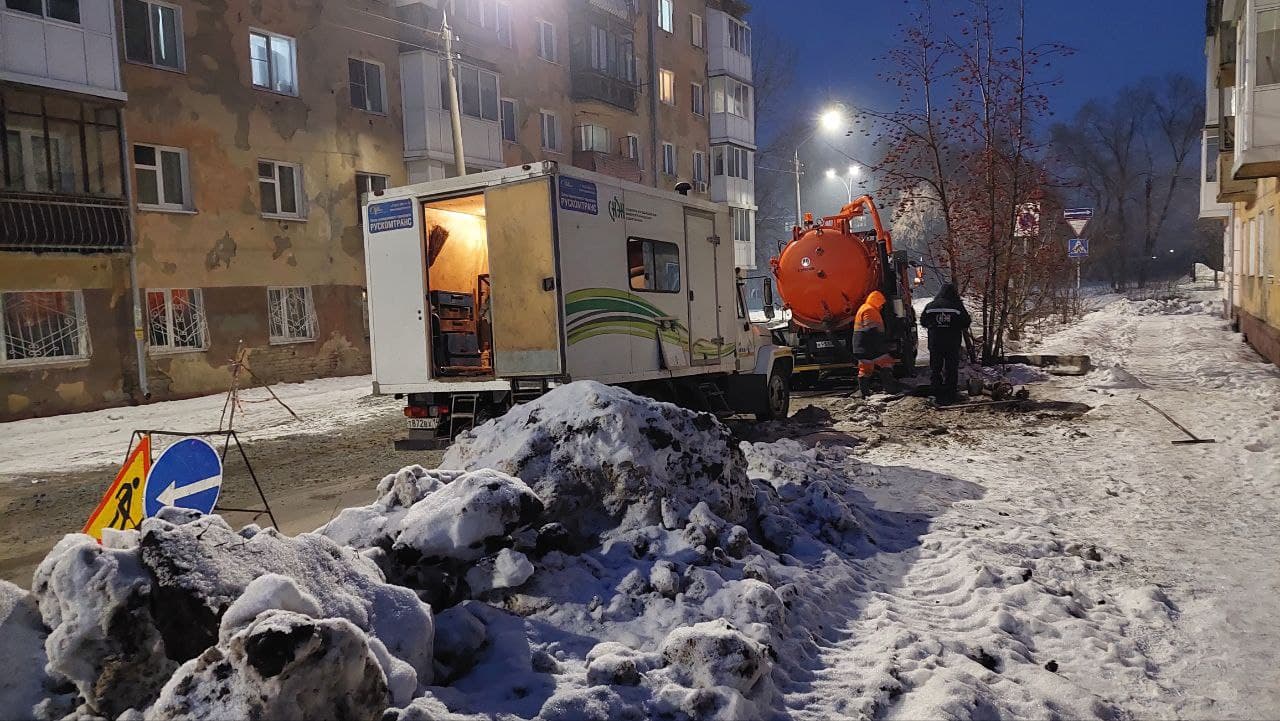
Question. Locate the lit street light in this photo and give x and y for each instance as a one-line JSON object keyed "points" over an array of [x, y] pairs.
{"points": [[853, 172], [831, 120]]}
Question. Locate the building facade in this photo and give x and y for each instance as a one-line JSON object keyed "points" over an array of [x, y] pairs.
{"points": [[66, 337], [190, 185], [1241, 178]]}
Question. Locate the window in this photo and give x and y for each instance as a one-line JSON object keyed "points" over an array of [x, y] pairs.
{"points": [[274, 62], [696, 99], [1211, 153], [653, 265], [594, 138], [630, 147], [367, 90], [42, 325], [667, 86], [280, 188], [732, 161], [740, 219], [546, 41], [368, 183], [739, 37], [58, 144], [478, 11], [668, 159], [550, 130], [696, 32], [509, 132], [153, 34], [1268, 63], [68, 10], [730, 96], [175, 319], [612, 54], [699, 167], [477, 91], [666, 15], [163, 177], [291, 314], [502, 15]]}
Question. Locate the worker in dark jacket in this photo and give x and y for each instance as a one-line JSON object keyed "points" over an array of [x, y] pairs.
{"points": [[871, 345], [946, 320]]}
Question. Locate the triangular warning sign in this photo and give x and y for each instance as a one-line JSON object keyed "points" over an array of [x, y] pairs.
{"points": [[122, 507], [1078, 225]]}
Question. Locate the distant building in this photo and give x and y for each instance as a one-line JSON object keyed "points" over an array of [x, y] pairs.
{"points": [[1241, 153], [223, 190]]}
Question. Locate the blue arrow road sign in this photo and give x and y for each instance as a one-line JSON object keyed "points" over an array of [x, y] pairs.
{"points": [[188, 474], [1078, 248]]}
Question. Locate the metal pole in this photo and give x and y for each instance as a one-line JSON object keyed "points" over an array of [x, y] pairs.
{"points": [[799, 211], [127, 180], [1077, 276], [455, 113]]}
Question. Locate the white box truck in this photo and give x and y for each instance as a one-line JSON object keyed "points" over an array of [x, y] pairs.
{"points": [[485, 290]]}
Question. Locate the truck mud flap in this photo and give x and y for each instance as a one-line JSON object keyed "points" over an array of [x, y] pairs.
{"points": [[1058, 365]]}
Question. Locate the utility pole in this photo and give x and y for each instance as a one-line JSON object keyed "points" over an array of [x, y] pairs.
{"points": [[796, 170], [455, 114]]}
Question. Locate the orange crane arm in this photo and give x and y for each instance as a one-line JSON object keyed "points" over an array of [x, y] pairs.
{"points": [[856, 209]]}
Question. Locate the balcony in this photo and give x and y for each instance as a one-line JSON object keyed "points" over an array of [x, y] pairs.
{"points": [[1230, 189], [617, 166], [73, 50], [42, 222], [595, 85]]}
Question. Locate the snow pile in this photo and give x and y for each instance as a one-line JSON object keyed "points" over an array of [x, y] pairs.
{"points": [[1115, 377], [597, 556], [124, 615], [26, 690], [282, 665], [602, 458], [1175, 306]]}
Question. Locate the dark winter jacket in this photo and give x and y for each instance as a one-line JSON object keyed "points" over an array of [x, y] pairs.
{"points": [[869, 339], [945, 318]]}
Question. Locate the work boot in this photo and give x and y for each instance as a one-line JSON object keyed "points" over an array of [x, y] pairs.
{"points": [[864, 386], [887, 381]]}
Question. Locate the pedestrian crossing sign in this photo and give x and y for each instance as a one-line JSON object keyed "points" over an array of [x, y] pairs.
{"points": [[121, 507], [1077, 248]]}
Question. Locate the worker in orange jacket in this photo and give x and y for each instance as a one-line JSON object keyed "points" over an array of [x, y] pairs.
{"points": [[871, 345]]}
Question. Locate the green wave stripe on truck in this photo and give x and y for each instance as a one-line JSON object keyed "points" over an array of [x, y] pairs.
{"points": [[594, 312]]}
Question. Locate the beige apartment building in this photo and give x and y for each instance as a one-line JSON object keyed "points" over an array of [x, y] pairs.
{"points": [[191, 184], [1241, 161]]}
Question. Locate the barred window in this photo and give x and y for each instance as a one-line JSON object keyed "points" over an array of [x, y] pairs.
{"points": [[176, 319], [292, 314], [42, 325]]}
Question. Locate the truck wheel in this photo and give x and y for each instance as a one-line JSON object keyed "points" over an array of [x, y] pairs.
{"points": [[777, 400]]}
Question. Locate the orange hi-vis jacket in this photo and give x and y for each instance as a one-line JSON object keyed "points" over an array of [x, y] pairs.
{"points": [[868, 327]]}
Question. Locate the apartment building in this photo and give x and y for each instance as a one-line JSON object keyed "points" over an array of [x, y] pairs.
{"points": [[66, 337], [149, 236], [733, 125], [1241, 169]]}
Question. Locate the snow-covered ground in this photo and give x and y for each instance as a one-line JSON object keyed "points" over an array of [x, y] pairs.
{"points": [[96, 438], [596, 555]]}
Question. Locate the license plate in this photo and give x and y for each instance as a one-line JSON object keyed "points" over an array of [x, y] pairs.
{"points": [[424, 424], [824, 344]]}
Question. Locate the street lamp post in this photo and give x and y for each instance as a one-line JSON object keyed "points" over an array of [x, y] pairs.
{"points": [[831, 119], [853, 172]]}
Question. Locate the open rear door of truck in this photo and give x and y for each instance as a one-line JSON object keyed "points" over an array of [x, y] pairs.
{"points": [[396, 266], [523, 267]]}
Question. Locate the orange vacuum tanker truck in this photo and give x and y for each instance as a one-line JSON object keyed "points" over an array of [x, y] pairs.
{"points": [[825, 273]]}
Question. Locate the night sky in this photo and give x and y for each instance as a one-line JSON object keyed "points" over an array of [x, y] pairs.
{"points": [[1116, 42], [842, 42]]}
